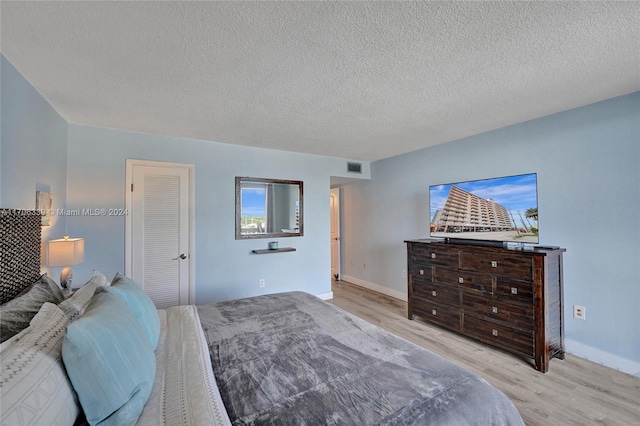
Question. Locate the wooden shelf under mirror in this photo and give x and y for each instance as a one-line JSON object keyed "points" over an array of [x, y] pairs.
{"points": [[270, 251]]}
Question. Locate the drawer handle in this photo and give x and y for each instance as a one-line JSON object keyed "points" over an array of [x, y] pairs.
{"points": [[421, 271], [434, 293], [433, 312], [494, 264], [494, 332], [433, 255], [494, 309], [460, 280], [514, 290]]}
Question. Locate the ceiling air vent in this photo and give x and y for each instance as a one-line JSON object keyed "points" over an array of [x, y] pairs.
{"points": [[354, 168]]}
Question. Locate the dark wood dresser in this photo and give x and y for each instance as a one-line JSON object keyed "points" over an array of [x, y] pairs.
{"points": [[510, 298]]}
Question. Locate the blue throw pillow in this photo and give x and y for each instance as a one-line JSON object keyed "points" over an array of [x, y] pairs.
{"points": [[109, 361], [140, 303]]}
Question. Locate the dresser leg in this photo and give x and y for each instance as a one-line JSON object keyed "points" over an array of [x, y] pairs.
{"points": [[542, 363]]}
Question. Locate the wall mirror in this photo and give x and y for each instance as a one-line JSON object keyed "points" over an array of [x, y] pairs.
{"points": [[268, 208]]}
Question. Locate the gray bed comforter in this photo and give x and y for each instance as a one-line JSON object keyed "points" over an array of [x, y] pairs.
{"points": [[293, 359]]}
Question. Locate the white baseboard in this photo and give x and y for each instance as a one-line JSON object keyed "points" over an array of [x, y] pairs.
{"points": [[601, 357], [325, 296], [375, 287]]}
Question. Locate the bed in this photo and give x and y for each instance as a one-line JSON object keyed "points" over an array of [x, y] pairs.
{"points": [[279, 359]]}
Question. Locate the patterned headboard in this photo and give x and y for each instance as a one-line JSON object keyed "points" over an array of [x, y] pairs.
{"points": [[19, 251]]}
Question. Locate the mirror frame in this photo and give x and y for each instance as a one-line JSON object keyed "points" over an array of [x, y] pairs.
{"points": [[240, 236]]}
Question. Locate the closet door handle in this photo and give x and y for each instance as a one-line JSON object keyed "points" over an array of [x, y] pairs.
{"points": [[182, 256]]}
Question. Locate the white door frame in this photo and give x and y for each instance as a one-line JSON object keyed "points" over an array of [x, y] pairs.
{"points": [[336, 192], [128, 235]]}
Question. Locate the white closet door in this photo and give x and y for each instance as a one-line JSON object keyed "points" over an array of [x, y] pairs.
{"points": [[160, 232]]}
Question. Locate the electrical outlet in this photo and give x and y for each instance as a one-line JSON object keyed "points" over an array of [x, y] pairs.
{"points": [[404, 274], [261, 282], [579, 312]]}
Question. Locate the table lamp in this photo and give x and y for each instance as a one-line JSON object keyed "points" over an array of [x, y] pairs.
{"points": [[65, 252]]}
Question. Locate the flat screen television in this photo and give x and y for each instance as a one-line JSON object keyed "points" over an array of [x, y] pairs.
{"points": [[503, 209]]}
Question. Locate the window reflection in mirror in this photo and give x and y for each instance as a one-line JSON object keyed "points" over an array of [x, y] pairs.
{"points": [[267, 208]]}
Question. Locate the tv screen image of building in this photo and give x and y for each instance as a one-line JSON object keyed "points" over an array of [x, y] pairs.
{"points": [[495, 209]]}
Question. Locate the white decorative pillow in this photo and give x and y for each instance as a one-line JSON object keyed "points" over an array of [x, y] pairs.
{"points": [[35, 388], [75, 305]]}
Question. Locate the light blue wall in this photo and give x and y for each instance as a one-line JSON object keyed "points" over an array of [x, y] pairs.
{"points": [[588, 166], [225, 269], [84, 167], [1, 67], [34, 148]]}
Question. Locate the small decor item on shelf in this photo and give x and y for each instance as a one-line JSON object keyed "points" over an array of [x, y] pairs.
{"points": [[273, 245]]}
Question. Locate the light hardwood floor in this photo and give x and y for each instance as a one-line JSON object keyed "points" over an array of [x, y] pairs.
{"points": [[574, 391]]}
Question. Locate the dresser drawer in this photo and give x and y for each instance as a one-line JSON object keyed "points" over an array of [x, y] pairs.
{"points": [[482, 283], [520, 316], [498, 262], [420, 261], [499, 335], [514, 290], [420, 252], [421, 271], [444, 295], [445, 316], [443, 256]]}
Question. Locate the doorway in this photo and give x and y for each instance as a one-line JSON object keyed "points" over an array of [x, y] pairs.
{"points": [[334, 203], [159, 237]]}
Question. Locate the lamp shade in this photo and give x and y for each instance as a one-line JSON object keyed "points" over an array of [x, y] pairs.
{"points": [[65, 251]]}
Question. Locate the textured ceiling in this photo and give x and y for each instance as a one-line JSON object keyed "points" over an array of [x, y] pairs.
{"points": [[360, 80]]}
